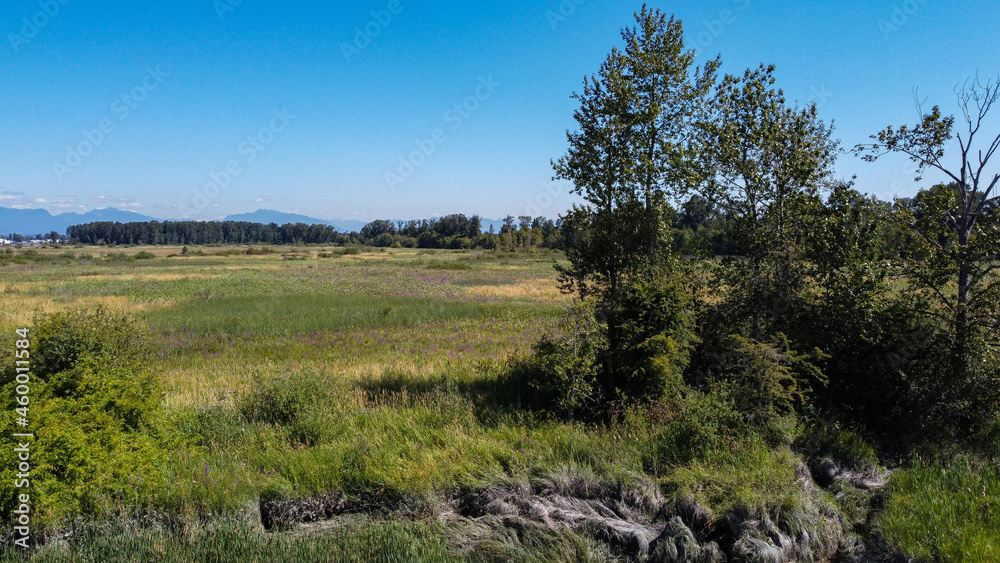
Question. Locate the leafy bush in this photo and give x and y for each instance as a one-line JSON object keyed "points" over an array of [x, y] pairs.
{"points": [[143, 255], [615, 349], [262, 251], [94, 411], [292, 401], [654, 339], [767, 381], [564, 367], [686, 429], [439, 265], [117, 257]]}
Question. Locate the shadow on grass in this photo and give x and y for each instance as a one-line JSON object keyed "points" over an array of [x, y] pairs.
{"points": [[496, 390]]}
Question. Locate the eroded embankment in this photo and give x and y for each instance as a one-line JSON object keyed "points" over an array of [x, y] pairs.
{"points": [[633, 520]]}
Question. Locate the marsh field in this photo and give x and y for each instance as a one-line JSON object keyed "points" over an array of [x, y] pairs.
{"points": [[331, 404]]}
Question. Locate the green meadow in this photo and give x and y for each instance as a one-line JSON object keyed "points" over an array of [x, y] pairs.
{"points": [[311, 405]]}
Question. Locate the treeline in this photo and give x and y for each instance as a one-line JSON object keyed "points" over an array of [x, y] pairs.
{"points": [[451, 231]]}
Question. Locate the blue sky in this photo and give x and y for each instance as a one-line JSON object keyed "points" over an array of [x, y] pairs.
{"points": [[204, 108]]}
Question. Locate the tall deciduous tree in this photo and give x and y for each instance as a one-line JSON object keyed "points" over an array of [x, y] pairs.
{"points": [[634, 142], [665, 98], [599, 165], [956, 225], [635, 148], [765, 157]]}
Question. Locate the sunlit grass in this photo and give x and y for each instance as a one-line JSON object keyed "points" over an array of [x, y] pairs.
{"points": [[944, 511], [403, 398]]}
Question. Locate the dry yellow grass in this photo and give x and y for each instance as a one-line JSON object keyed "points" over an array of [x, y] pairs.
{"points": [[209, 384], [19, 308], [538, 289]]}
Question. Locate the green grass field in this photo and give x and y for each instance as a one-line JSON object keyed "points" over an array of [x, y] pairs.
{"points": [[377, 381]]}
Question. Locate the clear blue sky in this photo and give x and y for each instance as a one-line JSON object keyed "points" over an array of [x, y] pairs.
{"points": [[329, 126]]}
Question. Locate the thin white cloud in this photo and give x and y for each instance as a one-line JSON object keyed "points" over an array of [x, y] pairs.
{"points": [[118, 202]]}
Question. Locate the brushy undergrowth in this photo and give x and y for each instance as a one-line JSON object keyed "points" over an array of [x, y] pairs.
{"points": [[99, 447]]}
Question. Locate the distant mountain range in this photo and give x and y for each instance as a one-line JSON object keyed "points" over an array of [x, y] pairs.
{"points": [[30, 222], [266, 216]]}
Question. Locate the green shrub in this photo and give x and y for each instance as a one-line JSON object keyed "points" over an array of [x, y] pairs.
{"points": [[651, 346], [143, 255], [768, 382], [564, 368], [280, 399], [94, 410], [616, 349], [293, 401], [686, 429], [61, 340], [262, 251], [439, 265]]}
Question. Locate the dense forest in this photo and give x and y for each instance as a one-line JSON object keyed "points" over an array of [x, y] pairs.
{"points": [[450, 231]]}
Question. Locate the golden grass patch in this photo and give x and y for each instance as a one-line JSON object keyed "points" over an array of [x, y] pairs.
{"points": [[19, 309], [540, 289], [212, 382]]}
